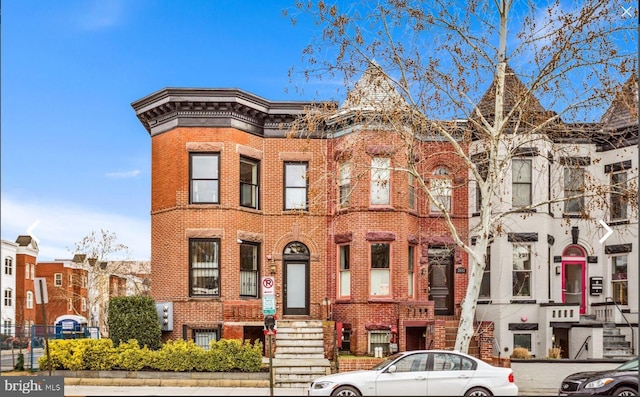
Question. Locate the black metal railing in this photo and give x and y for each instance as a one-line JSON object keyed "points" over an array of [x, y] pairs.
{"points": [[606, 320], [585, 346]]}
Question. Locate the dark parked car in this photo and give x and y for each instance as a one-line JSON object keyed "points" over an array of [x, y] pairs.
{"points": [[620, 381]]}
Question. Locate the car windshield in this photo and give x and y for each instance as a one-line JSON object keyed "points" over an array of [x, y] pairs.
{"points": [[629, 366], [386, 362]]}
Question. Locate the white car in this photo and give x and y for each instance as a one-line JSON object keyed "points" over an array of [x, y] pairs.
{"points": [[421, 373]]}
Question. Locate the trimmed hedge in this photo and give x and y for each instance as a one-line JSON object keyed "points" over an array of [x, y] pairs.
{"points": [[178, 356], [134, 318]]}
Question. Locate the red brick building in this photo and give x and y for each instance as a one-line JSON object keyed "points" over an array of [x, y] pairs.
{"points": [[66, 289], [333, 216], [25, 273]]}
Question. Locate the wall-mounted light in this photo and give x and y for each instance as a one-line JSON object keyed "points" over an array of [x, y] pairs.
{"points": [[327, 303], [272, 265]]}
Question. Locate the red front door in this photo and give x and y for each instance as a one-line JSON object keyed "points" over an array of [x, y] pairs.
{"points": [[573, 283]]}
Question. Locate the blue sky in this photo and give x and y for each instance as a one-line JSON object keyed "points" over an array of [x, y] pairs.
{"points": [[74, 156]]}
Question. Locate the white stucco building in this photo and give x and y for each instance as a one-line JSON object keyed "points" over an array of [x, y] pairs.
{"points": [[8, 283], [549, 280]]}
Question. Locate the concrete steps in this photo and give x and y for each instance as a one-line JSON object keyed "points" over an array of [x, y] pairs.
{"points": [[299, 356], [615, 344], [450, 334]]}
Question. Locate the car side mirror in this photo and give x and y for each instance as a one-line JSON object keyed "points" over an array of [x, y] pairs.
{"points": [[392, 369]]}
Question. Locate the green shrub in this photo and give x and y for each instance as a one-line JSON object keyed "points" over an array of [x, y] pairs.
{"points": [[131, 357], [175, 355], [134, 317], [79, 354], [62, 356], [235, 355], [99, 354]]}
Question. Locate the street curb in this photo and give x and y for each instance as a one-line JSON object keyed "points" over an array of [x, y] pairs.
{"points": [[166, 382]]}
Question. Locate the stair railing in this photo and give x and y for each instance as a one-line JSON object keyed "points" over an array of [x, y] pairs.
{"points": [[633, 339], [496, 349], [585, 346]]}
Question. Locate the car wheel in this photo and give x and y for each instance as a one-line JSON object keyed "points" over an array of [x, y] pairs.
{"points": [[346, 391], [625, 391], [478, 392]]}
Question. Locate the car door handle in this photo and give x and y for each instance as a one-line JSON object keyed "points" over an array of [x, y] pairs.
{"points": [[463, 376], [421, 378]]}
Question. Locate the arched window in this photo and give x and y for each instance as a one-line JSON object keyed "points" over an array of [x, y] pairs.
{"points": [[29, 300], [8, 266], [441, 190], [296, 247], [574, 251], [8, 297]]}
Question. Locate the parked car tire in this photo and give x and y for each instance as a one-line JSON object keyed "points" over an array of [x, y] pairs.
{"points": [[478, 392], [625, 391], [346, 391]]}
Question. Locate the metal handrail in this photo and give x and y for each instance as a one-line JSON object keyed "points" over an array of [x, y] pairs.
{"points": [[606, 317], [581, 347]]}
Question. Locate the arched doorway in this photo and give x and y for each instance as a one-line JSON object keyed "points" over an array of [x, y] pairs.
{"points": [[295, 269], [574, 266]]}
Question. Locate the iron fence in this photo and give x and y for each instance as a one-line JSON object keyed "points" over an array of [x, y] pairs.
{"points": [[29, 342]]}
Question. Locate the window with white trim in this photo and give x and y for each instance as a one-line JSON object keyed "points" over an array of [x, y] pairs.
{"points": [[574, 189], [522, 271], [619, 283], [521, 182], [57, 279], [83, 304], [70, 304], [379, 338], [204, 178], [8, 297], [345, 271], [27, 271], [617, 198], [380, 181], [7, 329], [8, 266], [411, 199], [295, 185], [380, 269], [29, 300], [344, 185]]}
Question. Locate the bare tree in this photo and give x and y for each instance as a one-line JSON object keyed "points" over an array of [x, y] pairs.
{"points": [[491, 80], [94, 253]]}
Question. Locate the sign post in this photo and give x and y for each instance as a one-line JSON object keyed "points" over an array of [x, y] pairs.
{"points": [[40, 285], [269, 311]]}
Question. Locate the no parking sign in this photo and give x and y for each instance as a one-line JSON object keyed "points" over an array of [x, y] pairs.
{"points": [[268, 296]]}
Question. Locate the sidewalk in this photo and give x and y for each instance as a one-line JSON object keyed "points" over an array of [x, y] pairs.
{"points": [[82, 391]]}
